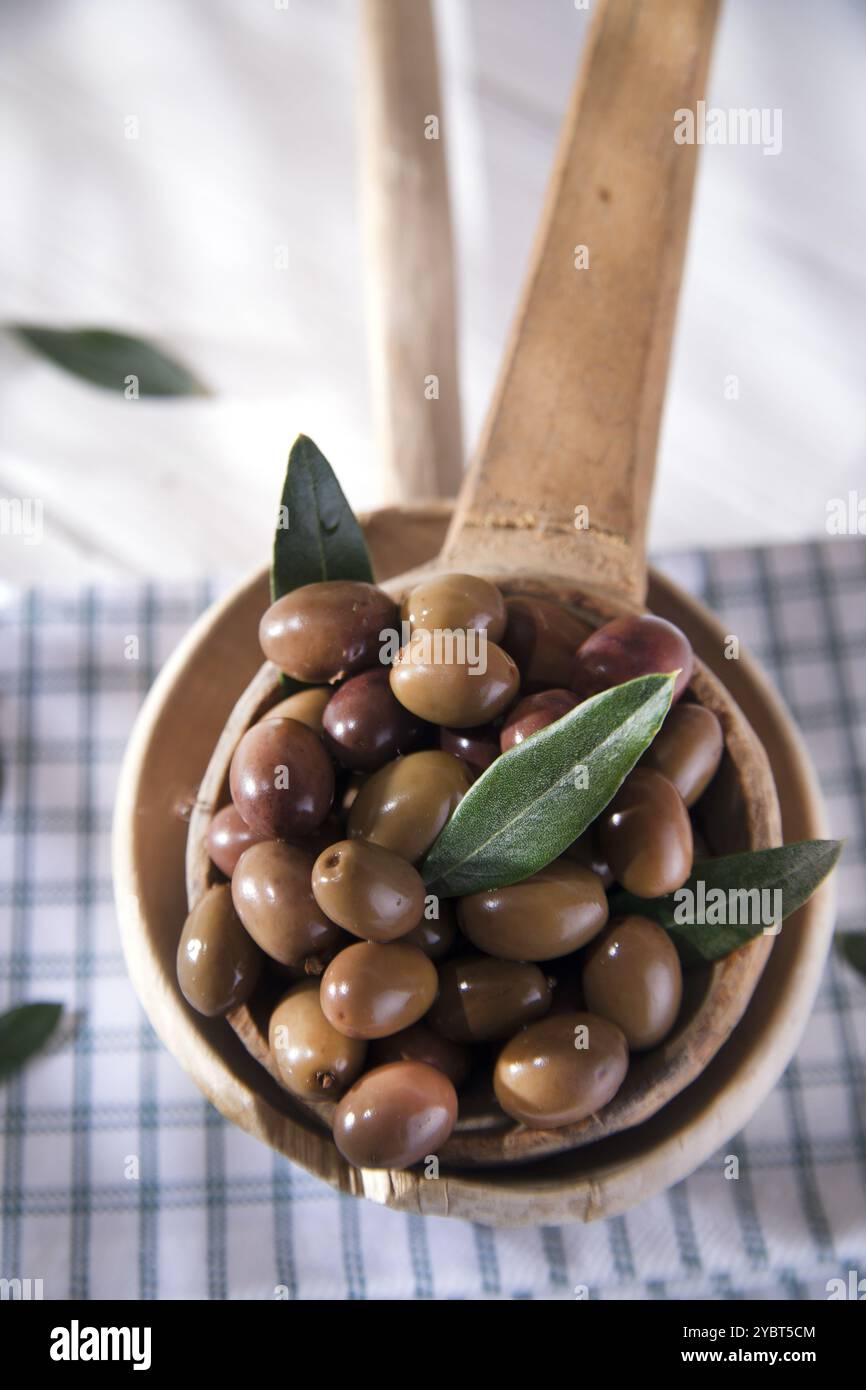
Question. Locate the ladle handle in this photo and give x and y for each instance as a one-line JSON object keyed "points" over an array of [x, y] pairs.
{"points": [[575, 417], [409, 254]]}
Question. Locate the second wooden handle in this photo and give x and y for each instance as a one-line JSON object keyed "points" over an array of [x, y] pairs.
{"points": [[575, 418]]}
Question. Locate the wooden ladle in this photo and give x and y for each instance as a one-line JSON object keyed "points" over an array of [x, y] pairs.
{"points": [[574, 425]]}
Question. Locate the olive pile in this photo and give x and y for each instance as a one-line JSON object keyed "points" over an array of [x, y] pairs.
{"points": [[392, 997]]}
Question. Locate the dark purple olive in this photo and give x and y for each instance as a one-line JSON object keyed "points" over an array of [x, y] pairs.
{"points": [[228, 836], [535, 712], [282, 780], [365, 727], [477, 748], [622, 650], [542, 637]]}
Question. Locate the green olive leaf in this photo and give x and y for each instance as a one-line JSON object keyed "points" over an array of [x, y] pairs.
{"points": [[23, 1031], [733, 887], [317, 535], [109, 360], [852, 945], [534, 800]]}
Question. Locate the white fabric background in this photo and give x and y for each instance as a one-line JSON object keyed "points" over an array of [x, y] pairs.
{"points": [[247, 142]]}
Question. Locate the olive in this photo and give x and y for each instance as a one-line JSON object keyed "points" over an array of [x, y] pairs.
{"points": [[228, 835], [561, 1070], [366, 727], [406, 803], [454, 601], [477, 747], [687, 750], [542, 636], [646, 836], [420, 1044], [632, 976], [585, 850], [395, 1116], [482, 999], [315, 1062], [369, 890], [535, 712], [457, 692], [274, 900], [307, 706], [435, 935], [218, 964], [323, 632], [281, 778], [369, 991], [556, 911], [640, 645]]}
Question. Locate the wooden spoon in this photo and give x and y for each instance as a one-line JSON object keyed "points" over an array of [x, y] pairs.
{"points": [[574, 424]]}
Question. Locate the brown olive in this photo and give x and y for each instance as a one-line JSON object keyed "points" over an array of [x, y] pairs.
{"points": [[561, 1070], [315, 1062], [556, 911], [365, 727], [369, 991], [281, 778], [274, 900], [307, 706], [369, 890], [395, 1116], [542, 636], [405, 804], [435, 935], [585, 850], [218, 964], [324, 632], [622, 650], [687, 750], [646, 836], [535, 712], [633, 977], [458, 689], [456, 601], [420, 1044], [477, 747], [228, 835], [482, 999]]}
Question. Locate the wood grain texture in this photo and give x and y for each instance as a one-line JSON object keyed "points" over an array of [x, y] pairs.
{"points": [[575, 416], [410, 255]]}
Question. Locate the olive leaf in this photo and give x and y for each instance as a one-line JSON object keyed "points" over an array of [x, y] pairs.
{"points": [[109, 359], [852, 945], [317, 535], [765, 886], [23, 1031], [534, 800]]}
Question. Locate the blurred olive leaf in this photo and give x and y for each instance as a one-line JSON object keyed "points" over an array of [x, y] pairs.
{"points": [[852, 945], [535, 800], [793, 871], [23, 1031], [114, 361]]}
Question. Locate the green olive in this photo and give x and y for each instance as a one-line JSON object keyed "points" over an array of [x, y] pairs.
{"points": [[370, 891], [560, 1070], [218, 963], [315, 1062], [457, 688], [456, 601], [554, 912], [404, 805]]}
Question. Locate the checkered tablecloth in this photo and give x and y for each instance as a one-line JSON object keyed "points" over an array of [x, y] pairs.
{"points": [[213, 1214]]}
